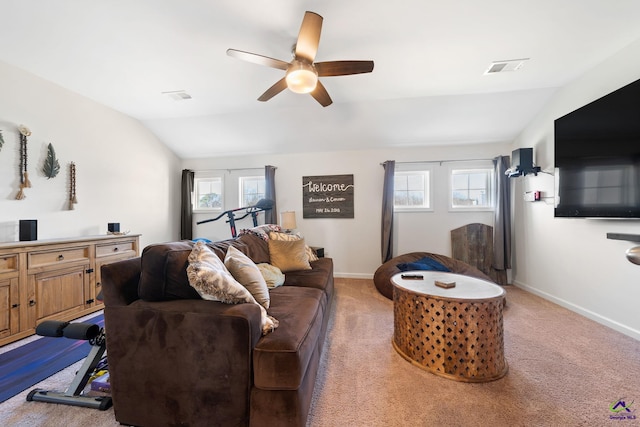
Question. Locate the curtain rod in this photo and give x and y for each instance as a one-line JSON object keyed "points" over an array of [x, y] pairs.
{"points": [[229, 169], [442, 161]]}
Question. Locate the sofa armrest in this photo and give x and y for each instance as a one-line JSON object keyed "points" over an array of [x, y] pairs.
{"points": [[120, 281], [195, 352]]}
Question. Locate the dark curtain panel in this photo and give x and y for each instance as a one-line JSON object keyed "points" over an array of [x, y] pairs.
{"points": [[186, 208], [270, 216], [387, 211], [502, 220]]}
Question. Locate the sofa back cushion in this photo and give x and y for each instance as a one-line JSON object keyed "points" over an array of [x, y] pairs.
{"points": [[249, 244], [163, 274]]}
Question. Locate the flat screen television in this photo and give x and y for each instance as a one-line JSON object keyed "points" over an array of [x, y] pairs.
{"points": [[597, 158]]}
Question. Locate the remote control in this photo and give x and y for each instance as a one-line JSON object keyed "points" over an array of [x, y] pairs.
{"points": [[412, 276]]}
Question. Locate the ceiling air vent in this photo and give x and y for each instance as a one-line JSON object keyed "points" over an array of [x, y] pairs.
{"points": [[177, 95], [504, 66]]}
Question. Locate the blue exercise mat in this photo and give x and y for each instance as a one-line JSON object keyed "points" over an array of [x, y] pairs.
{"points": [[27, 365]]}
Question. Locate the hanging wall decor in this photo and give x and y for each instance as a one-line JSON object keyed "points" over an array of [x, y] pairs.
{"points": [[51, 165], [72, 186], [1, 140], [328, 196], [24, 175]]}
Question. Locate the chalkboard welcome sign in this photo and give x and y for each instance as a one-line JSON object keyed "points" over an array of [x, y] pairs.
{"points": [[329, 196]]}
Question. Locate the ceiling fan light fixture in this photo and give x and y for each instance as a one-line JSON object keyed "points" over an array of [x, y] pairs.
{"points": [[302, 72], [301, 77]]}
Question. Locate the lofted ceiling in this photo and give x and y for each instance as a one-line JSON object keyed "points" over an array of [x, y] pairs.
{"points": [[428, 86]]}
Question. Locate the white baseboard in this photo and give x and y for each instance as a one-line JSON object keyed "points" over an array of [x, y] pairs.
{"points": [[633, 333], [353, 275]]}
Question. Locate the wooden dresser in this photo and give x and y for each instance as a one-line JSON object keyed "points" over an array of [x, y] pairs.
{"points": [[57, 279]]}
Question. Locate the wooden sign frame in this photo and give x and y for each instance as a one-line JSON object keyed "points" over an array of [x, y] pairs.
{"points": [[327, 196]]}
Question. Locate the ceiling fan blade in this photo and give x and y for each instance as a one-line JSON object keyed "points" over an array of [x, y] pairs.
{"points": [[258, 59], [278, 87], [309, 36], [343, 68], [321, 95]]}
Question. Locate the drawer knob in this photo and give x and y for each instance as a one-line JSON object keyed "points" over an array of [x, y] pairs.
{"points": [[15, 305], [115, 249], [60, 257], [32, 303]]}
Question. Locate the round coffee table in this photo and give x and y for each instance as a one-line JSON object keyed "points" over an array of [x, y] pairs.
{"points": [[454, 332]]}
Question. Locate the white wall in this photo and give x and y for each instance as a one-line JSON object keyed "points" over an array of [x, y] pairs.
{"points": [[124, 174], [354, 244], [570, 261]]}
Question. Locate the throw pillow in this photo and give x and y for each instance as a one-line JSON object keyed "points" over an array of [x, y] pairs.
{"points": [[207, 273], [211, 279], [286, 236], [283, 236], [425, 263], [271, 274], [311, 254], [262, 231], [288, 255], [244, 270]]}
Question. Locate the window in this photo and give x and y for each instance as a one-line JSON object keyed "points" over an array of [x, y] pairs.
{"points": [[412, 190], [252, 189], [208, 193], [471, 189]]}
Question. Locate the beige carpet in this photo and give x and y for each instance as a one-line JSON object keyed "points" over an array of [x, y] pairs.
{"points": [[564, 370]]}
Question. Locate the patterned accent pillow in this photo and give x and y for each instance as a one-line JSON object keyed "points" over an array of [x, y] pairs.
{"points": [[289, 237], [262, 231], [272, 275], [211, 279], [288, 255], [244, 270]]}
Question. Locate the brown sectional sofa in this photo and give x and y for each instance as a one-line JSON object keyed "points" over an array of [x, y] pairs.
{"points": [[178, 360]]}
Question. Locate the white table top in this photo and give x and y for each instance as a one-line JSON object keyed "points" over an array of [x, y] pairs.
{"points": [[467, 287]]}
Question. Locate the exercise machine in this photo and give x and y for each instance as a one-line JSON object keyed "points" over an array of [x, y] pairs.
{"points": [[262, 205], [73, 394]]}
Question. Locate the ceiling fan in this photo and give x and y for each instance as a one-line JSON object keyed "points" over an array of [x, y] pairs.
{"points": [[302, 73]]}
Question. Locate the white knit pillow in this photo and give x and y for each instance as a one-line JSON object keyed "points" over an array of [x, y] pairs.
{"points": [[271, 274]]}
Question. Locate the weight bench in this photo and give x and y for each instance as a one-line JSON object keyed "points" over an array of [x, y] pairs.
{"points": [[73, 394]]}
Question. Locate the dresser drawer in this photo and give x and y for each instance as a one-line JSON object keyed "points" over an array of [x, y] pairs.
{"points": [[8, 263], [114, 248], [62, 256]]}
